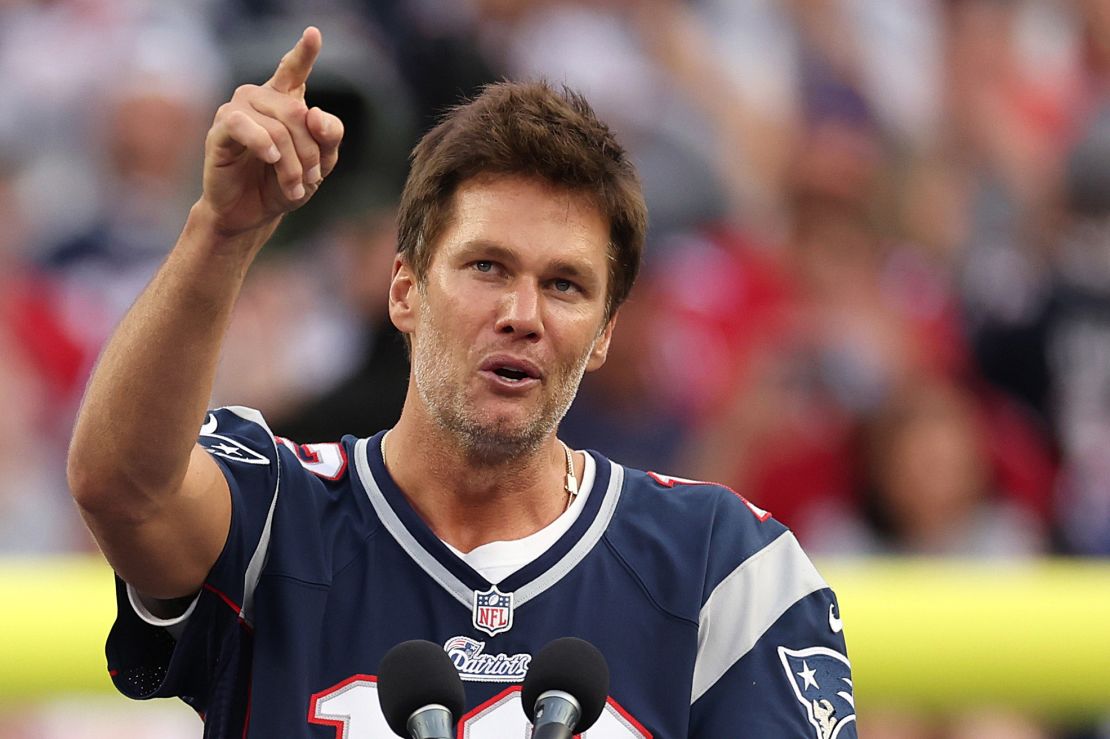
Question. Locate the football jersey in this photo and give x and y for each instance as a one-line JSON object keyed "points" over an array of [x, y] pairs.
{"points": [[713, 621]]}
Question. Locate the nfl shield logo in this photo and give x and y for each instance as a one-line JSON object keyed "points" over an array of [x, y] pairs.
{"points": [[493, 611]]}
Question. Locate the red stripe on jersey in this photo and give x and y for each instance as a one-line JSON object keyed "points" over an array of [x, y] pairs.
{"points": [[247, 717], [629, 718], [670, 481], [230, 603]]}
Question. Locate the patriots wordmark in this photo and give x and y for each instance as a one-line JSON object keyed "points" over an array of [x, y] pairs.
{"points": [[468, 656]]}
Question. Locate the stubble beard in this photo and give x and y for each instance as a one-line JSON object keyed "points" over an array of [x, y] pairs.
{"points": [[486, 441]]}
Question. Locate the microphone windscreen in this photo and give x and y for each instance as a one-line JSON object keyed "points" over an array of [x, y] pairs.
{"points": [[573, 666], [415, 674]]}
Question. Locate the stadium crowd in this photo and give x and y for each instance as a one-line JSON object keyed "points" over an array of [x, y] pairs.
{"points": [[877, 287]]}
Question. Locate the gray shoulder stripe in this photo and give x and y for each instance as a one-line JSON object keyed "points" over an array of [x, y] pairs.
{"points": [[747, 603], [258, 558], [408, 542]]}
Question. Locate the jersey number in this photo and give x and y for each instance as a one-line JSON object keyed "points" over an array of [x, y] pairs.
{"points": [[328, 461], [352, 708]]}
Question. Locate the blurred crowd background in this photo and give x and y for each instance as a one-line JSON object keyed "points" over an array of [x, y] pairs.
{"points": [[876, 297]]}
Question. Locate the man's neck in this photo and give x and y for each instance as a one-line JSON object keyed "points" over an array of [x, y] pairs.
{"points": [[468, 503]]}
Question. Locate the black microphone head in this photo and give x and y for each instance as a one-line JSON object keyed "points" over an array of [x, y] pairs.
{"points": [[573, 666], [415, 674]]}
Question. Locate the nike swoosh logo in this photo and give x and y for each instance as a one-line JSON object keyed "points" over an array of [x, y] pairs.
{"points": [[835, 623]]}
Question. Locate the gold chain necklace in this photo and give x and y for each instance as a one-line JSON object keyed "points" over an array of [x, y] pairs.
{"points": [[570, 486]]}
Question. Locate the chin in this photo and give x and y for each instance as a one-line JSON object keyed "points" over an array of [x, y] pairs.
{"points": [[502, 438]]}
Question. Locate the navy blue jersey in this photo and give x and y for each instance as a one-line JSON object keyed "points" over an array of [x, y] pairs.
{"points": [[713, 621]]}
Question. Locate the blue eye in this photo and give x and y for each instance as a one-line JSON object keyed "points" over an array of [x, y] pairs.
{"points": [[484, 266], [564, 286]]}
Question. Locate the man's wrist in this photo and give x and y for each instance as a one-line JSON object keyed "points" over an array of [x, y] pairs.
{"points": [[204, 226]]}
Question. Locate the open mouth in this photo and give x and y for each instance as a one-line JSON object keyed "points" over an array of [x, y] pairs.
{"points": [[512, 375], [512, 370]]}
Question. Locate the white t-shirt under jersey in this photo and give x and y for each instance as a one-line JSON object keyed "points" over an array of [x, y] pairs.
{"points": [[498, 559]]}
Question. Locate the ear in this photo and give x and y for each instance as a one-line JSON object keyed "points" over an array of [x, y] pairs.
{"points": [[403, 296], [601, 345]]}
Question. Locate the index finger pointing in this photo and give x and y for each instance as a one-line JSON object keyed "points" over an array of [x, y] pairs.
{"points": [[293, 70]]}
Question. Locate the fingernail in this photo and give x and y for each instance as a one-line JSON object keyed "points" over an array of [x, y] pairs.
{"points": [[297, 192], [313, 175], [272, 154]]}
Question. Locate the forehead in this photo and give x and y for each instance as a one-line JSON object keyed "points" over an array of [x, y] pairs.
{"points": [[529, 217]]}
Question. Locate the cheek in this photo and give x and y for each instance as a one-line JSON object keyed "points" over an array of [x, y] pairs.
{"points": [[454, 319]]}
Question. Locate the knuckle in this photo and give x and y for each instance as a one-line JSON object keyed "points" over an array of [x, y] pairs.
{"points": [[236, 117], [225, 113], [239, 125], [292, 108], [280, 135]]}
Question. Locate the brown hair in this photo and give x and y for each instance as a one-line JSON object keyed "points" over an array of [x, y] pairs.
{"points": [[532, 130]]}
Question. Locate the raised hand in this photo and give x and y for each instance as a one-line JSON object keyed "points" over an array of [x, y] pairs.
{"points": [[267, 152]]}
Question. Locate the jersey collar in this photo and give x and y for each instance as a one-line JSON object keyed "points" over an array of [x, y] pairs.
{"points": [[453, 574]]}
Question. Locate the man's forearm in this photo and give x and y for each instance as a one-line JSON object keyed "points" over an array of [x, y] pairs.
{"points": [[147, 396]]}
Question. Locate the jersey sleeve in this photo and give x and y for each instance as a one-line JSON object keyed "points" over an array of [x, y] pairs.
{"points": [[204, 655], [772, 661]]}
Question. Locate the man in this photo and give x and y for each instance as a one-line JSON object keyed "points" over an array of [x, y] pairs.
{"points": [[265, 579]]}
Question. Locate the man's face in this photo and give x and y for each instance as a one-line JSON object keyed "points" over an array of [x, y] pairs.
{"points": [[510, 315]]}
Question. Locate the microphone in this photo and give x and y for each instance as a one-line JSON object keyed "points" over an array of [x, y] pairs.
{"points": [[420, 691], [566, 688]]}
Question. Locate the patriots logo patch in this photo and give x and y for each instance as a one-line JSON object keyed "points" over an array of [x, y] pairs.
{"points": [[219, 445], [822, 682]]}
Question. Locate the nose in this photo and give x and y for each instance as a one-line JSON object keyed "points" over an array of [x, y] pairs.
{"points": [[520, 311]]}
